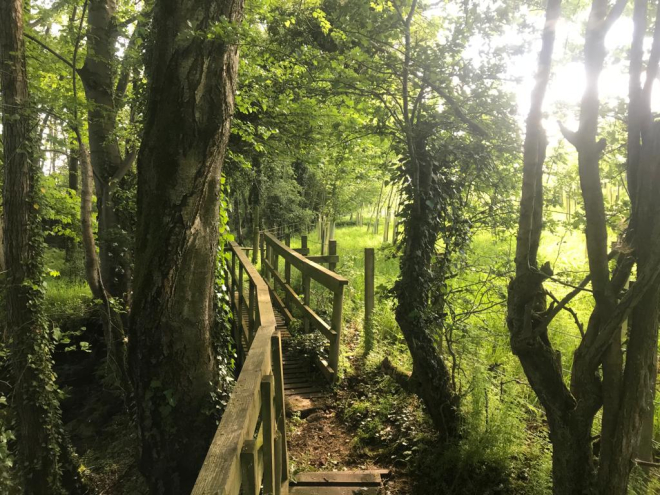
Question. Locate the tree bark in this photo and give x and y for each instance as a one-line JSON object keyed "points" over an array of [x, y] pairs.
{"points": [[191, 101], [73, 169], [3, 265], [71, 245], [431, 377], [97, 77], [43, 454], [569, 420], [111, 280], [116, 349]]}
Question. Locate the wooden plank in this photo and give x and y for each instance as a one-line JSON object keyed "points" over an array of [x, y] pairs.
{"points": [[326, 370], [295, 376], [328, 258], [297, 384], [268, 427], [221, 471], [339, 478], [303, 390], [312, 395], [249, 455], [319, 273], [334, 490]]}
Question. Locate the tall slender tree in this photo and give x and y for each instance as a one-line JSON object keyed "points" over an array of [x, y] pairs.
{"points": [[192, 74], [601, 378]]}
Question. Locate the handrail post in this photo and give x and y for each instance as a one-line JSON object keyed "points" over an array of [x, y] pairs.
{"points": [[252, 289], [249, 476], [268, 426], [275, 261], [266, 271], [303, 245], [307, 297], [369, 276], [278, 463], [287, 272], [232, 281], [332, 251], [262, 249], [239, 315], [235, 301], [280, 408], [337, 310], [255, 235]]}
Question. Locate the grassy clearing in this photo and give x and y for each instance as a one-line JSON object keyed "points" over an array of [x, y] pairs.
{"points": [[67, 293], [504, 449]]}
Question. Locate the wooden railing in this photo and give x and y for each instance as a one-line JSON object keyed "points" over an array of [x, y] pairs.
{"points": [[249, 447], [272, 249]]}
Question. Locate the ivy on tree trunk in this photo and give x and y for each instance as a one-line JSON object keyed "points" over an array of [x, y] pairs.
{"points": [[45, 459]]}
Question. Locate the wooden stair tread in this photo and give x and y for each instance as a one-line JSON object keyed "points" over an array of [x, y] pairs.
{"points": [[303, 390], [335, 490], [350, 478]]}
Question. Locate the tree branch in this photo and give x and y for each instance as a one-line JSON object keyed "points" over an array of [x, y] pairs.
{"points": [[456, 108], [49, 49], [615, 13]]}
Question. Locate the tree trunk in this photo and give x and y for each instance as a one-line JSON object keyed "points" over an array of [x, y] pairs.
{"points": [[73, 169], [113, 334], [3, 265], [71, 246], [573, 470], [97, 77], [431, 377], [191, 101], [44, 456]]}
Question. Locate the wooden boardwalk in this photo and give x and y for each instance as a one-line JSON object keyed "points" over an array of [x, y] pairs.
{"points": [[303, 385], [249, 453]]}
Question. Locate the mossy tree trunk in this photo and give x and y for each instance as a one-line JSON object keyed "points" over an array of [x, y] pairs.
{"points": [[44, 456], [191, 101]]}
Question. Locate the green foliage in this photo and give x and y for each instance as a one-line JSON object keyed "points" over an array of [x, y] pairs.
{"points": [[225, 348], [60, 208], [7, 480]]}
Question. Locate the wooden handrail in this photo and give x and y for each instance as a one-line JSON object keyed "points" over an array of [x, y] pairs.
{"points": [[322, 275], [223, 471], [309, 270]]}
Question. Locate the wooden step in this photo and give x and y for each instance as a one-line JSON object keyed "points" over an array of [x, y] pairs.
{"points": [[339, 478], [335, 490], [337, 483]]}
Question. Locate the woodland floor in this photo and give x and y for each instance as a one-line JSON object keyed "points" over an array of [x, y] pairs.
{"points": [[106, 440]]}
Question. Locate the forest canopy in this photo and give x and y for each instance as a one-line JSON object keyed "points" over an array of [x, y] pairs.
{"points": [[410, 242]]}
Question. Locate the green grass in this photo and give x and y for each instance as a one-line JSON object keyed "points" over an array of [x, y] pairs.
{"points": [[504, 445], [67, 293]]}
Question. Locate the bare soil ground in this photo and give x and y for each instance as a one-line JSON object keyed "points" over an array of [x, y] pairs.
{"points": [[318, 440]]}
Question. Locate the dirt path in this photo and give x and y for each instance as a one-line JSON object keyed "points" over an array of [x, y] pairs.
{"points": [[318, 440]]}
